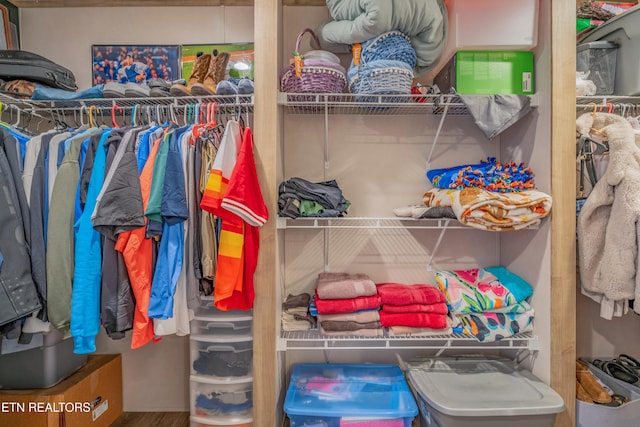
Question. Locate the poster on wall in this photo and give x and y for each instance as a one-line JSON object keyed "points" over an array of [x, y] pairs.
{"points": [[134, 63], [240, 58], [9, 27]]}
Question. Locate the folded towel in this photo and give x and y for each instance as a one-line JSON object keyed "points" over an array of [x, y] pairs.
{"points": [[519, 287], [478, 290], [361, 317], [293, 301], [295, 322], [494, 326], [343, 285], [333, 326], [400, 294], [335, 306], [438, 308], [419, 332], [487, 210], [416, 320], [359, 332]]}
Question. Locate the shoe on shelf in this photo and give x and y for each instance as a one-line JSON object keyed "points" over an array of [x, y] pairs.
{"points": [[630, 362], [113, 90], [581, 393], [159, 92], [198, 74], [616, 370], [245, 86], [215, 73], [226, 87], [591, 384], [135, 90]]}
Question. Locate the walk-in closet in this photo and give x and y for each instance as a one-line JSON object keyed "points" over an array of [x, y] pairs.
{"points": [[378, 151]]}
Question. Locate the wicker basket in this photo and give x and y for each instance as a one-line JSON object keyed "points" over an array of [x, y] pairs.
{"points": [[381, 78], [316, 76], [393, 46]]}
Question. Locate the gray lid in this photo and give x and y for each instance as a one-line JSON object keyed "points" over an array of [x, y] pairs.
{"points": [[603, 44], [482, 387]]}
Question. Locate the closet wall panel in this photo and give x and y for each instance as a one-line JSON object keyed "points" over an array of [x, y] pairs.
{"points": [[65, 35], [155, 377]]}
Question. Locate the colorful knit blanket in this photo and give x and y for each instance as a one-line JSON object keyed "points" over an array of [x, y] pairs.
{"points": [[490, 175]]}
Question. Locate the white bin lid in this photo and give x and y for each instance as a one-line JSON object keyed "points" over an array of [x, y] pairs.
{"points": [[469, 387]]}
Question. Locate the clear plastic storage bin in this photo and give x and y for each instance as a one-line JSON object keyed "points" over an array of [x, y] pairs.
{"points": [[597, 60], [221, 324], [481, 392], [225, 358], [334, 395], [216, 404]]}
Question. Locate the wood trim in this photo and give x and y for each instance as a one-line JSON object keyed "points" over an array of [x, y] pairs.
{"points": [[304, 2], [563, 225], [267, 26], [124, 3]]}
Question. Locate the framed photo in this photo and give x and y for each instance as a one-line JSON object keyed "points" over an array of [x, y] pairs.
{"points": [[9, 27], [240, 61], [134, 63]]}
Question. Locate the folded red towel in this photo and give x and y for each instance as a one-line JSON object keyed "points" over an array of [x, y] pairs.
{"points": [[349, 305], [400, 294], [438, 308], [415, 320]]}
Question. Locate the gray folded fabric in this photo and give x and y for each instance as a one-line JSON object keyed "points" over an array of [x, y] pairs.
{"points": [[293, 301], [334, 326], [495, 113]]}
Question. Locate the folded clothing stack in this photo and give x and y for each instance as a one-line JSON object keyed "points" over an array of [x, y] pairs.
{"points": [[295, 313], [489, 303], [347, 304], [301, 198], [418, 309]]}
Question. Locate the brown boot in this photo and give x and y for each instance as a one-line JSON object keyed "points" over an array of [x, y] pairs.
{"points": [[591, 385], [200, 69], [581, 393], [216, 73]]}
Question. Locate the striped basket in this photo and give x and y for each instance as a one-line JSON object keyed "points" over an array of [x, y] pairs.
{"points": [[316, 75], [392, 46], [381, 78]]}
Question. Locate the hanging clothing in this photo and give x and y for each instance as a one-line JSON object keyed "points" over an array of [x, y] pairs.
{"points": [[137, 252], [60, 236], [15, 273], [85, 297]]}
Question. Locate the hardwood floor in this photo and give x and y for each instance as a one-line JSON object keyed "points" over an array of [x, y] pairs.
{"points": [[153, 419]]}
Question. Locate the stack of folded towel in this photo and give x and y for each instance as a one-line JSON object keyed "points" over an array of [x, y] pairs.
{"points": [[295, 313], [418, 309], [487, 303], [347, 304]]}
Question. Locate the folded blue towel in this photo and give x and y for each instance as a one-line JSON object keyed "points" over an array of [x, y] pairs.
{"points": [[516, 284]]}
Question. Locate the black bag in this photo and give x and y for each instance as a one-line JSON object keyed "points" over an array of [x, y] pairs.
{"points": [[22, 65]]}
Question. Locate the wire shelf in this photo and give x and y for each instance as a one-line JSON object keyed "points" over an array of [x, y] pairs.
{"points": [[314, 340], [374, 223], [370, 223], [223, 101], [604, 102], [362, 104]]}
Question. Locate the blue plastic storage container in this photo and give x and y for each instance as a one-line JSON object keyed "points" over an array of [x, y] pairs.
{"points": [[344, 394]]}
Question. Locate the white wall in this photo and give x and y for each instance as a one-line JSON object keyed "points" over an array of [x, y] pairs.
{"points": [[65, 35], [155, 377]]}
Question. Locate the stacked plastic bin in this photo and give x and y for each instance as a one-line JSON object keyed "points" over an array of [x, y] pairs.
{"points": [[221, 367]]}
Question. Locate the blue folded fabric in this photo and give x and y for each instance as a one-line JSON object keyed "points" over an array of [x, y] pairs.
{"points": [[490, 175], [43, 93], [213, 404], [514, 283]]}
